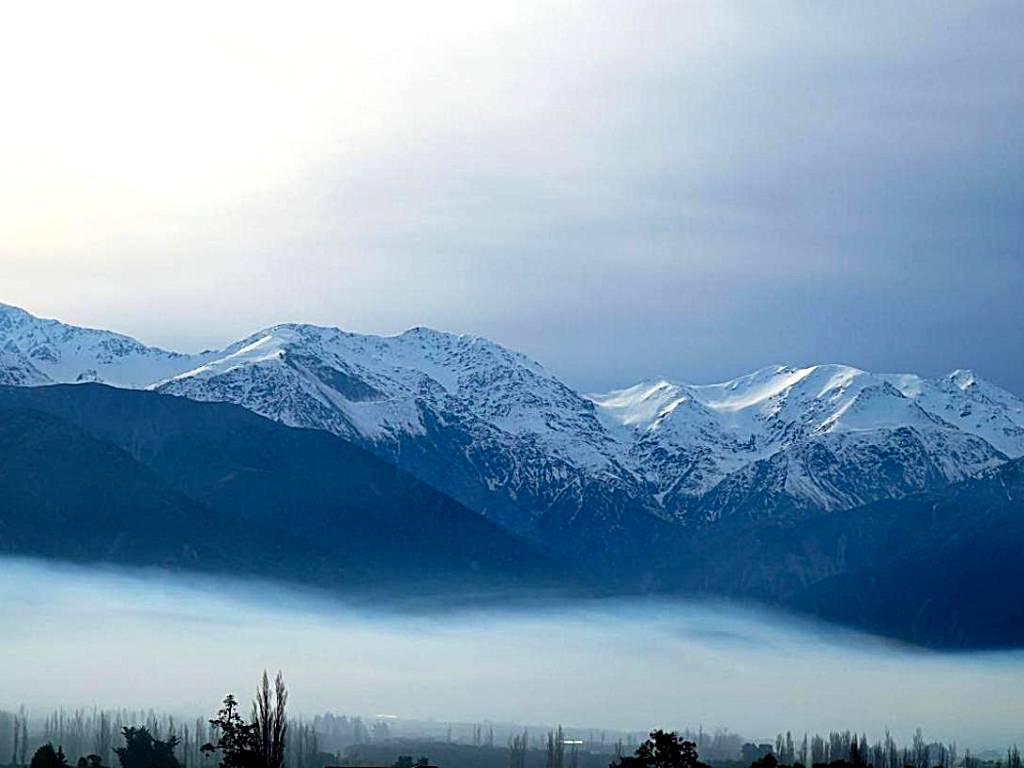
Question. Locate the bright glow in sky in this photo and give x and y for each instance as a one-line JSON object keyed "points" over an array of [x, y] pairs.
{"points": [[703, 188]]}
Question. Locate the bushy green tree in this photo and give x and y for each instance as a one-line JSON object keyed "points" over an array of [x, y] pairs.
{"points": [[768, 761], [48, 757], [663, 750], [141, 750]]}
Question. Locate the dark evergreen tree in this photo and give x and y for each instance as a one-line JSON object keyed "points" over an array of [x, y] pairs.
{"points": [[767, 761], [662, 750], [236, 739], [48, 757], [141, 750], [260, 743]]}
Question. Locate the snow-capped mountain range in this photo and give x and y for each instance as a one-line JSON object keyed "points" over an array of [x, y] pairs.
{"points": [[500, 433]]}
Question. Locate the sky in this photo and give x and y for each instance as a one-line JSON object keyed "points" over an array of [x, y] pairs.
{"points": [[620, 190], [757, 674]]}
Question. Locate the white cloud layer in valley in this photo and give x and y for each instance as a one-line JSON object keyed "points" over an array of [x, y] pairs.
{"points": [[80, 637]]}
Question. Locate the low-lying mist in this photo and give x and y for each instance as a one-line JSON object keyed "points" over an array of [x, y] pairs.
{"points": [[78, 637]]}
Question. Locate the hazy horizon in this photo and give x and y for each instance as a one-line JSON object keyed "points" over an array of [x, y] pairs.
{"points": [[114, 637]]}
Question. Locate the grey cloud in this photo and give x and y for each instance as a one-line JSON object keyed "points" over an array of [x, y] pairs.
{"points": [[691, 190]]}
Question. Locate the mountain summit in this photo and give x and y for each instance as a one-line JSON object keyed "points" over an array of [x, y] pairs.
{"points": [[585, 474]]}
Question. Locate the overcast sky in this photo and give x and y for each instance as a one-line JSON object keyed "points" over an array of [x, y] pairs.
{"points": [[621, 190]]}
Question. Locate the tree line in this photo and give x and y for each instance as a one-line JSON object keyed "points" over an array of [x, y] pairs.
{"points": [[266, 738], [839, 749], [228, 741]]}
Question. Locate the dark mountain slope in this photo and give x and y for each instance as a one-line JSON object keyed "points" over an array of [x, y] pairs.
{"points": [[326, 494], [90, 473], [938, 568], [956, 580], [64, 493], [67, 495]]}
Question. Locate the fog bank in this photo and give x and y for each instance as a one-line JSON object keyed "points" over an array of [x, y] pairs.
{"points": [[79, 637]]}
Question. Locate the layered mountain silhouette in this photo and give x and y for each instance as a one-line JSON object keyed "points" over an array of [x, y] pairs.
{"points": [[90, 473], [824, 489]]}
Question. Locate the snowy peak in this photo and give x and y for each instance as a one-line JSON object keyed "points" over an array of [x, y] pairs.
{"points": [[381, 386], [822, 398], [69, 354], [757, 388], [970, 404], [828, 436], [961, 378], [640, 405], [480, 421]]}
